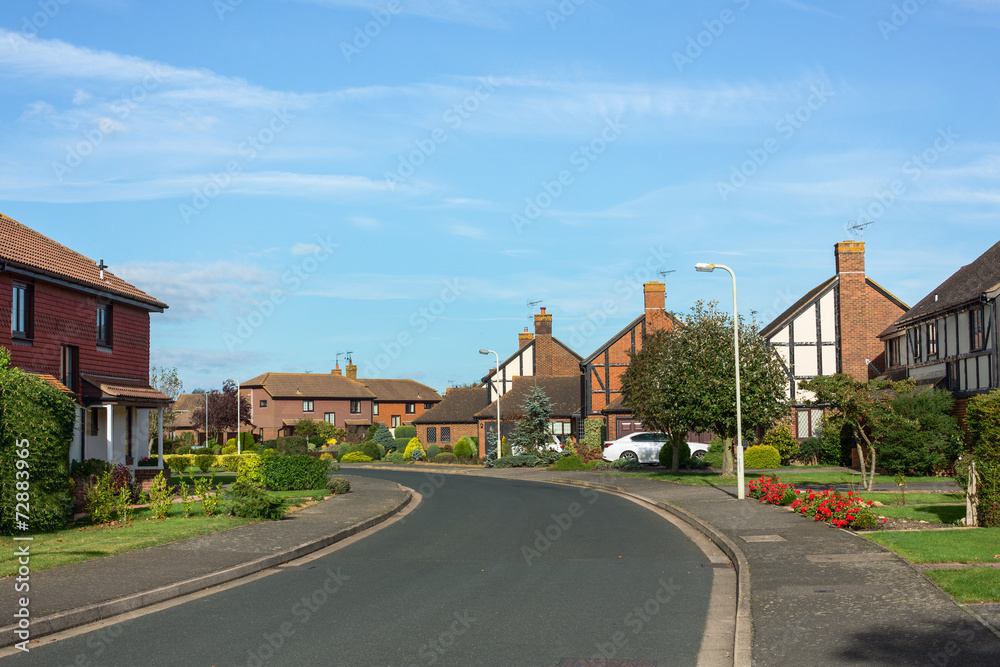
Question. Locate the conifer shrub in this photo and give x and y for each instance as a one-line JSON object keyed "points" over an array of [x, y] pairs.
{"points": [[370, 449], [432, 451], [760, 457], [445, 457], [667, 455], [463, 448], [414, 450]]}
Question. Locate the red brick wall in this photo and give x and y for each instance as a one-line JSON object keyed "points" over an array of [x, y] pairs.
{"points": [[389, 409], [552, 358], [278, 410], [457, 431], [66, 317]]}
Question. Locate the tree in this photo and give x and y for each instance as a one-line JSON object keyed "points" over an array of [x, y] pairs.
{"points": [[532, 432], [927, 438], [165, 381], [866, 408], [222, 410], [687, 379]]}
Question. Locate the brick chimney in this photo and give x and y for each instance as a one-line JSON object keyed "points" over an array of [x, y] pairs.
{"points": [[352, 372], [543, 324], [655, 295], [544, 345], [857, 339], [524, 338], [336, 370]]}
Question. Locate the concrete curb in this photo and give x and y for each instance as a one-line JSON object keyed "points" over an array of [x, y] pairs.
{"points": [[744, 624], [53, 623]]}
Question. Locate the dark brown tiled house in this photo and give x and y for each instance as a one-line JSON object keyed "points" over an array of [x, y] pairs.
{"points": [[399, 402], [73, 322], [563, 392], [452, 418]]}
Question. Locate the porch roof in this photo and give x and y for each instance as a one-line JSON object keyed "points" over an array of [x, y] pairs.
{"points": [[100, 389]]}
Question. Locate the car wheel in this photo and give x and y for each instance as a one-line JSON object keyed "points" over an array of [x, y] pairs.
{"points": [[631, 456], [698, 455]]}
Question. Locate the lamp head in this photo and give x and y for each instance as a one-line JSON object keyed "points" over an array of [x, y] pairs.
{"points": [[484, 351], [707, 268]]}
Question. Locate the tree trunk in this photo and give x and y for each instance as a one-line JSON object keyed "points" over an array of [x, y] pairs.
{"points": [[727, 457], [861, 461], [871, 472], [676, 442]]}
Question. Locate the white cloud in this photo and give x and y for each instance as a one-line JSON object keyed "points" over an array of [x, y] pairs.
{"points": [[365, 222], [300, 249], [38, 108], [81, 97], [469, 231]]}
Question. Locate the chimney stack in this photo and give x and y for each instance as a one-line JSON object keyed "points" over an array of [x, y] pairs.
{"points": [[857, 342], [352, 372], [655, 295], [336, 371], [543, 324], [524, 338]]}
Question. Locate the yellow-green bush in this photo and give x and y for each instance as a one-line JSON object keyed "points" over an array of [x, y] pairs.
{"points": [[761, 457], [781, 438], [356, 457], [229, 462], [414, 446], [250, 469], [326, 456]]}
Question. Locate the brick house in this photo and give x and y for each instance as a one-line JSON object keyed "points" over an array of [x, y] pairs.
{"points": [[951, 337], [602, 371], [399, 402], [452, 418], [85, 330], [833, 328], [183, 408], [563, 392], [279, 401]]}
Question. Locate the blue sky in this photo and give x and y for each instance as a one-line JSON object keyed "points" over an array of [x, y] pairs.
{"points": [[301, 178]]}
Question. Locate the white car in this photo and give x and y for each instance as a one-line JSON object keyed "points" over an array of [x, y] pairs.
{"points": [[553, 445], [645, 447]]}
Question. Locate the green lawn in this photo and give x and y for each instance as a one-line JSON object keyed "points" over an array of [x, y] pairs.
{"points": [[914, 498], [969, 585], [932, 513], [706, 478], [974, 545]]}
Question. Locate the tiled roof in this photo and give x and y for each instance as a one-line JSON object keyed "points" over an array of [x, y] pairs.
{"points": [[24, 247], [617, 405], [184, 408], [400, 390], [563, 392], [458, 407], [309, 385], [965, 286], [51, 380], [119, 388]]}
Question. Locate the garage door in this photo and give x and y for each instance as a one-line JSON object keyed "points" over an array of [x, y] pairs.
{"points": [[627, 426]]}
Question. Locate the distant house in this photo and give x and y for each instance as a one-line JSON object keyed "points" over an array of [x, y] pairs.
{"points": [[86, 331], [833, 328], [563, 393], [399, 402], [279, 401], [452, 418], [950, 338], [602, 371], [182, 423]]}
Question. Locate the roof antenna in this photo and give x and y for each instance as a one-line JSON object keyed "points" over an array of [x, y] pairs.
{"points": [[348, 355], [339, 355], [101, 265], [531, 307], [857, 229], [663, 274]]}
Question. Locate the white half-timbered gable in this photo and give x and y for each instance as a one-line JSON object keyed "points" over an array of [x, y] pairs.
{"points": [[519, 364], [951, 337]]}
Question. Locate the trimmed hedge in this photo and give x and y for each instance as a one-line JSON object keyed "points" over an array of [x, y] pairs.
{"points": [[983, 413], [463, 448], [36, 429], [405, 432], [445, 457], [356, 457], [761, 457], [519, 461], [293, 473]]}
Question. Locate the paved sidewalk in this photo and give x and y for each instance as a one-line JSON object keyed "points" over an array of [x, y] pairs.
{"points": [[72, 595]]}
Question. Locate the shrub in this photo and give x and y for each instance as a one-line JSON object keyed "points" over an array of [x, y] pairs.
{"points": [[228, 462], [571, 462], [356, 457], [327, 456], [383, 437], [395, 457], [445, 457], [463, 448], [602, 465], [248, 472], [594, 433], [230, 449], [784, 442], [186, 449], [414, 450], [121, 478], [294, 444], [519, 461], [293, 473], [160, 497], [837, 439], [249, 501], [338, 485], [210, 500], [148, 462], [204, 462], [983, 413], [864, 520], [716, 452], [400, 444], [405, 432], [928, 440], [761, 457], [432, 451], [626, 464], [448, 448], [101, 501], [667, 455], [89, 467], [370, 449], [810, 450]]}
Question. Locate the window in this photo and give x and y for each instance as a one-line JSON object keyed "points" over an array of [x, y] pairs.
{"points": [[263, 402], [307, 406], [375, 409], [432, 435], [560, 428], [95, 424], [411, 408], [932, 348], [953, 378], [21, 315], [977, 338], [807, 423], [69, 366], [917, 351], [330, 418], [428, 406], [892, 351], [104, 324], [395, 421], [445, 434], [355, 407]]}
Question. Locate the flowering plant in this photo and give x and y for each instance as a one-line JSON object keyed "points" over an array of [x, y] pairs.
{"points": [[842, 511]]}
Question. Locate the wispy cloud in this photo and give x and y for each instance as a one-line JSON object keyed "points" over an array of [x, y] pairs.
{"points": [[468, 231], [485, 13]]}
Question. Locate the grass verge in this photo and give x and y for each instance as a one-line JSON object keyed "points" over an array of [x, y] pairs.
{"points": [[914, 498], [930, 513], [974, 545], [707, 478], [969, 585]]}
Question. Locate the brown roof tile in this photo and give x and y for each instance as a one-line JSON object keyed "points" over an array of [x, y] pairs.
{"points": [[563, 392], [309, 385], [458, 407], [400, 390], [22, 246], [119, 388]]}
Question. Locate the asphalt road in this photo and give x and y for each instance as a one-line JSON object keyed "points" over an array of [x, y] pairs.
{"points": [[483, 572]]}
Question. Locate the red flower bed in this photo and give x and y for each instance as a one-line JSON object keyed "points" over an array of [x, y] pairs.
{"points": [[842, 511]]}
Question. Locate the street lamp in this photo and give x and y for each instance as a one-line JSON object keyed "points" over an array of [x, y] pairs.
{"points": [[239, 449], [708, 268], [499, 449]]}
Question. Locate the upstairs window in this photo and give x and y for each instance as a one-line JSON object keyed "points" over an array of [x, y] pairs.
{"points": [[428, 406], [263, 402], [375, 409], [69, 366], [21, 307], [892, 352], [932, 344], [104, 324], [917, 347], [411, 408], [355, 407], [977, 330], [307, 406]]}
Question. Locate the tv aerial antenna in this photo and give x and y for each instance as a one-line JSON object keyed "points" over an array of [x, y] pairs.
{"points": [[531, 307], [348, 355], [857, 229]]}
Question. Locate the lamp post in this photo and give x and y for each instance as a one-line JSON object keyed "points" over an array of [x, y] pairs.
{"points": [[206, 419], [497, 376], [708, 268], [238, 443]]}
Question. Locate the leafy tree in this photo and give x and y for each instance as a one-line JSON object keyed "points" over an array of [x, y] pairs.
{"points": [[532, 432], [222, 410], [926, 439], [685, 379], [166, 381], [866, 407]]}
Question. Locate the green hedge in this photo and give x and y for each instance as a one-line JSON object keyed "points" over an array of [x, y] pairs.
{"points": [[36, 429], [761, 457], [983, 414], [293, 473], [405, 432], [401, 443]]}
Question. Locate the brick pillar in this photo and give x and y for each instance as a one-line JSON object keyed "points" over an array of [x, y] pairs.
{"points": [[856, 336], [543, 344]]}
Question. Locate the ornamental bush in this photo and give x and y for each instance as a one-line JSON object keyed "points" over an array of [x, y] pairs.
{"points": [[356, 457], [781, 438], [983, 414], [249, 470], [384, 438], [405, 432], [295, 444], [400, 444], [231, 448], [837, 440], [414, 450], [204, 462], [160, 497], [519, 461], [432, 451], [571, 462], [715, 453], [249, 501], [229, 462], [667, 455], [293, 473], [463, 448], [36, 429], [395, 457], [445, 457], [594, 432], [370, 449], [338, 485], [760, 457]]}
